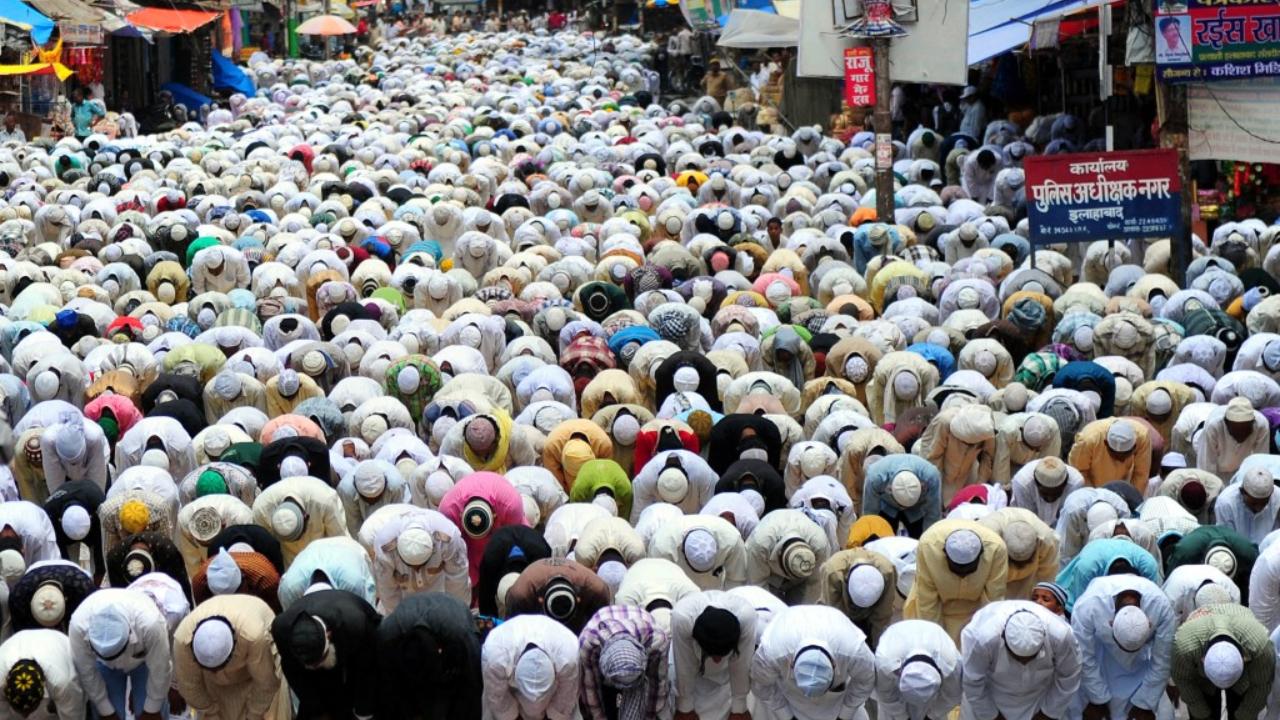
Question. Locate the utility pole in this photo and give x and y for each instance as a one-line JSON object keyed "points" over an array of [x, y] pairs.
{"points": [[883, 121], [1171, 110]]}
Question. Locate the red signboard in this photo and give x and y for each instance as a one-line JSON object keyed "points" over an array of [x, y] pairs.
{"points": [[859, 77], [1104, 195]]}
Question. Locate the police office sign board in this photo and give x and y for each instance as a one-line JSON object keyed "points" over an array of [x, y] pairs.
{"points": [[1101, 196]]}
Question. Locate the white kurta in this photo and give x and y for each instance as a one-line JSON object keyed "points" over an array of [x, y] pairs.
{"points": [[1110, 675], [996, 683], [713, 689], [1025, 494], [794, 629], [1230, 511], [902, 641], [503, 648], [148, 644]]}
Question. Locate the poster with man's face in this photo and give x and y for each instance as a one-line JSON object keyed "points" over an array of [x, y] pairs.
{"points": [[1173, 39]]}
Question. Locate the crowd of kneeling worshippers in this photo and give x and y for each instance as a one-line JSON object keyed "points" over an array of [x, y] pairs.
{"points": [[462, 380]]}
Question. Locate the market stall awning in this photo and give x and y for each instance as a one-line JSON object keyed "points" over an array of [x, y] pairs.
{"points": [[756, 30], [17, 14], [998, 26], [78, 11], [170, 20]]}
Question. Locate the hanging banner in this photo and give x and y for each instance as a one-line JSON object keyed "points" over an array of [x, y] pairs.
{"points": [[704, 14], [859, 77], [1234, 121], [1207, 40], [1082, 197]]}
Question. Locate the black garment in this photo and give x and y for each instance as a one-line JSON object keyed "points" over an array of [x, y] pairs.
{"points": [[74, 583], [498, 560], [730, 437], [706, 377], [165, 558], [187, 413], [187, 388], [255, 536], [88, 495], [351, 686], [755, 475], [312, 451], [429, 660]]}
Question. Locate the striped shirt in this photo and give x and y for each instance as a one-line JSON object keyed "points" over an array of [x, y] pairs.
{"points": [[615, 620]]}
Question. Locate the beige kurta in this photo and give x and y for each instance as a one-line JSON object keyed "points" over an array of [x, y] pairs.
{"points": [[1043, 565], [1181, 395], [961, 442], [940, 595], [250, 685]]}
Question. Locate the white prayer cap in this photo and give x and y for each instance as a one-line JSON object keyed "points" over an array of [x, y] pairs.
{"points": [[109, 632], [1220, 558], [48, 605], [1211, 593], [672, 485], [612, 572], [700, 548], [287, 520], [223, 574], [963, 547], [12, 566], [504, 587], [535, 674], [1131, 628], [69, 444], [1050, 472], [293, 466], [1121, 437], [905, 489], [919, 682], [414, 546], [1258, 484], [606, 501], [905, 385], [1020, 539], [985, 362], [76, 522], [1159, 402], [212, 643], [369, 480], [155, 458], [813, 672], [1239, 410], [1037, 431], [686, 379], [865, 585], [1223, 664], [1024, 633], [532, 513], [1100, 513]]}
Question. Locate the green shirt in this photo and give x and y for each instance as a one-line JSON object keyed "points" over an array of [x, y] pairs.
{"points": [[1193, 639]]}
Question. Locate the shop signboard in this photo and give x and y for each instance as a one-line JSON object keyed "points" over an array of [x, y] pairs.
{"points": [[859, 77], [1208, 40], [1081, 197], [81, 33]]}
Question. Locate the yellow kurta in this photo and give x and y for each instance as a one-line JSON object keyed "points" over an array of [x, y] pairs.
{"points": [[1091, 456], [250, 685], [1181, 395], [943, 597]]}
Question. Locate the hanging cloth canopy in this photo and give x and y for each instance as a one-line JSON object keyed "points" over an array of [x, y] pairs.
{"points": [[170, 21]]}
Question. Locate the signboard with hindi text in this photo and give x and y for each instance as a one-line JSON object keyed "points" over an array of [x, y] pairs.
{"points": [[1208, 40], [1082, 197], [859, 77]]}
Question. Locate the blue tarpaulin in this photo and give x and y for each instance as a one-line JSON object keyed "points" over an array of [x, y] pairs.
{"points": [[998, 26], [229, 76], [185, 96], [25, 17]]}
